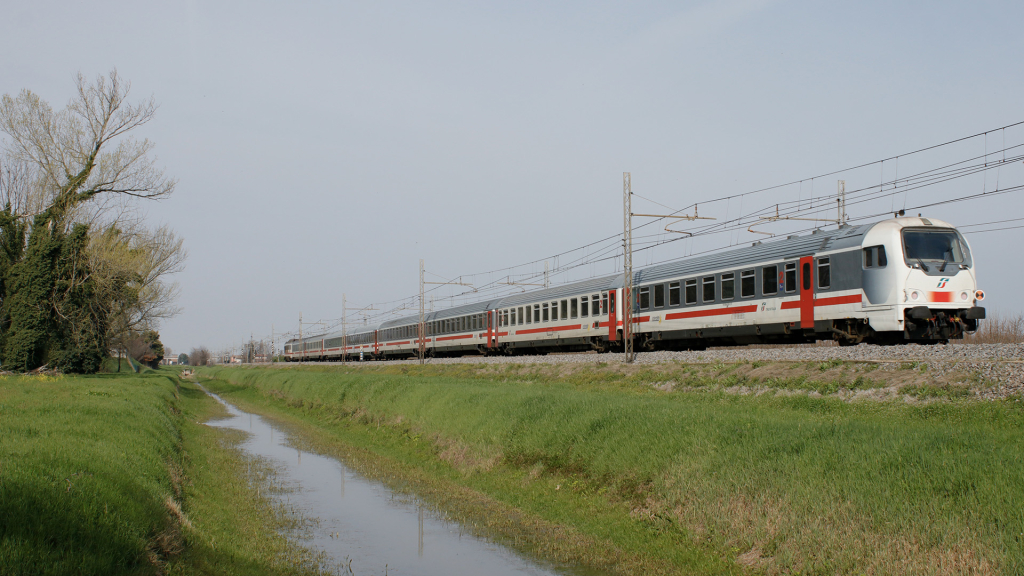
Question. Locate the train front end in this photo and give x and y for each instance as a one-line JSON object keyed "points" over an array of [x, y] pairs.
{"points": [[921, 269]]}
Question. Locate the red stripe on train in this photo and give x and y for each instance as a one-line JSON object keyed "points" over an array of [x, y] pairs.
{"points": [[460, 337], [712, 312], [549, 329]]}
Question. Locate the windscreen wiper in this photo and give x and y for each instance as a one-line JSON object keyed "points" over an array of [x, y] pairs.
{"points": [[923, 265]]}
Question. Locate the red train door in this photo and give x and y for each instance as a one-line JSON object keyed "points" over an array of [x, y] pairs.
{"points": [[490, 327], [376, 344], [612, 319], [807, 293]]}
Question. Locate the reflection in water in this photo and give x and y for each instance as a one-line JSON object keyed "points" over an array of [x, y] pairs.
{"points": [[364, 521], [420, 535]]}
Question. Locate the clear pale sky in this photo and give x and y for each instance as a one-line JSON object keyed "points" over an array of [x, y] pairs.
{"points": [[325, 147]]}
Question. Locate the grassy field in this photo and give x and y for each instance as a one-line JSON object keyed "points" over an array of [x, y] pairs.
{"points": [[113, 475], [687, 481]]}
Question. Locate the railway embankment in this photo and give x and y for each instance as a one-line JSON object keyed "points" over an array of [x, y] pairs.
{"points": [[114, 474], [763, 466]]}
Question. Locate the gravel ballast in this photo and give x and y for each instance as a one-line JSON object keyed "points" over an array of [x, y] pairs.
{"points": [[1000, 367]]}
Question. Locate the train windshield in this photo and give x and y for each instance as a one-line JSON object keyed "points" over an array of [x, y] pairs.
{"points": [[933, 246]]}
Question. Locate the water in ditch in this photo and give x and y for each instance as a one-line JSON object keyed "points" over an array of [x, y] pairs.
{"points": [[366, 527]]}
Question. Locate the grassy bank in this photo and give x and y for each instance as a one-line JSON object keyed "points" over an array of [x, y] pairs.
{"points": [[113, 475], [689, 481]]}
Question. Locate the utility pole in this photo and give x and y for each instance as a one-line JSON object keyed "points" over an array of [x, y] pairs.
{"points": [[344, 329], [546, 283], [627, 265], [273, 344], [841, 203], [422, 331]]}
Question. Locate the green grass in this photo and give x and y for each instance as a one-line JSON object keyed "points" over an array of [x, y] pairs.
{"points": [[779, 484], [112, 475]]}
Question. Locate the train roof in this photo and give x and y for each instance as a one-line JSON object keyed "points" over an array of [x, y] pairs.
{"points": [[764, 251]]}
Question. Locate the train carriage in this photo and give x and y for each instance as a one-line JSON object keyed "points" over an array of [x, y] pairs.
{"points": [[894, 281]]}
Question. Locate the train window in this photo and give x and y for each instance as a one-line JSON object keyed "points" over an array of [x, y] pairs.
{"points": [[709, 288], [604, 303], [644, 298], [791, 277], [769, 280], [573, 308], [747, 284], [544, 310], [564, 312], [584, 306], [806, 276], [673, 294], [504, 318], [659, 296], [536, 312], [512, 317], [691, 291], [521, 315], [824, 273], [728, 286], [875, 256]]}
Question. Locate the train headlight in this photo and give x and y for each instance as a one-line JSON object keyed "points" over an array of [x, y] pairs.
{"points": [[979, 295], [964, 295], [915, 295]]}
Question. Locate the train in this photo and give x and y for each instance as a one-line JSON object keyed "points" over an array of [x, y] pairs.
{"points": [[895, 281]]}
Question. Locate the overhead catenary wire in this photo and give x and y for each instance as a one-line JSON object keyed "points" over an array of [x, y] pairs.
{"points": [[609, 248]]}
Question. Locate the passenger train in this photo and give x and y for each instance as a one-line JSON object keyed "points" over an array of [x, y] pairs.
{"points": [[895, 281]]}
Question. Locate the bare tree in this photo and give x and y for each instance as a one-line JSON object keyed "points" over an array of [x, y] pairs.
{"points": [[82, 151], [129, 270], [199, 356]]}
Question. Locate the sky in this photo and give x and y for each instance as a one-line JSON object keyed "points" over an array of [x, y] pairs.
{"points": [[324, 148]]}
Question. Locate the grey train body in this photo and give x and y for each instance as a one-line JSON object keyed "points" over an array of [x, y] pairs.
{"points": [[894, 281]]}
